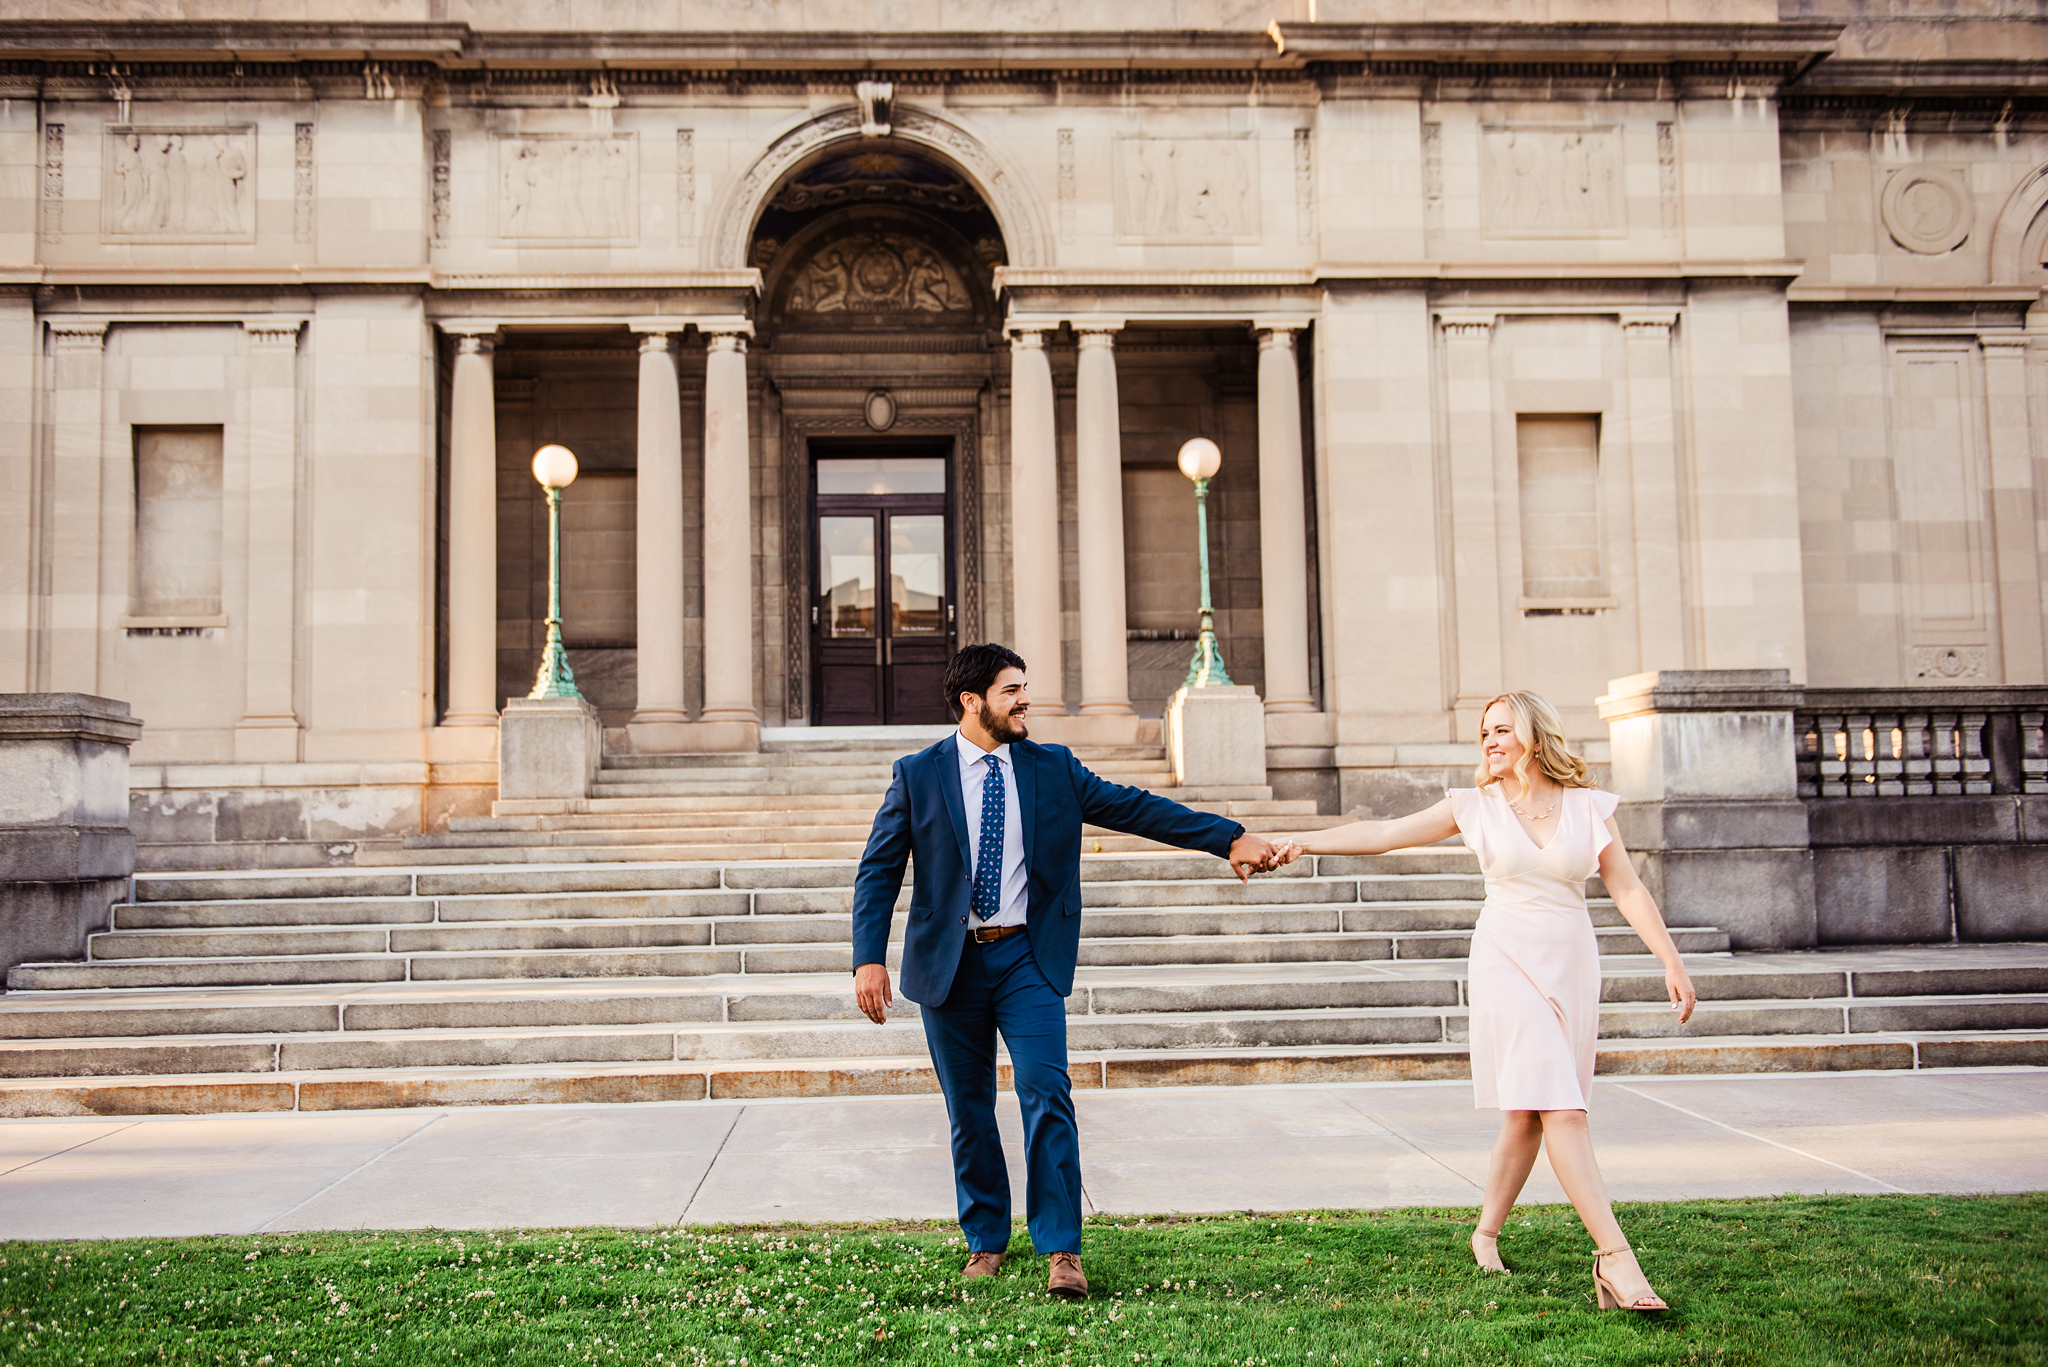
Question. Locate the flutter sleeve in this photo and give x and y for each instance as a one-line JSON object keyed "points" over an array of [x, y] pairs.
{"points": [[1603, 807], [1465, 811]]}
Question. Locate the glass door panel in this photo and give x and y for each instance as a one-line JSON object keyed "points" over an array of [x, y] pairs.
{"points": [[847, 576], [917, 574]]}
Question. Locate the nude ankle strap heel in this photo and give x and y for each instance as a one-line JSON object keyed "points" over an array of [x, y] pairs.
{"points": [[1611, 1299]]}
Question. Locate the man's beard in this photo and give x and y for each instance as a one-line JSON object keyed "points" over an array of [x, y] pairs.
{"points": [[1006, 729]]}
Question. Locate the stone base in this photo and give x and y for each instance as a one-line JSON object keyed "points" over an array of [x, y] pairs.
{"points": [[267, 744], [1216, 737], [1057, 728], [548, 748], [1762, 898], [43, 921], [463, 744], [1999, 892], [1309, 728], [1882, 896], [691, 737]]}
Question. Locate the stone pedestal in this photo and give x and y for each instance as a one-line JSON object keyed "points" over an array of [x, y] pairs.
{"points": [[1216, 737], [1710, 810], [548, 748], [65, 848]]}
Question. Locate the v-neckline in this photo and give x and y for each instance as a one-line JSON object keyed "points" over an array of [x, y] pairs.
{"points": [[1516, 818]]}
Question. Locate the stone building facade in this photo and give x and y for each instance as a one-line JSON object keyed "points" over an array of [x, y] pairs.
{"points": [[1543, 347]]}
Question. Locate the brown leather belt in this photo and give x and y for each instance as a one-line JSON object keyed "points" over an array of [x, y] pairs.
{"points": [[988, 935]]}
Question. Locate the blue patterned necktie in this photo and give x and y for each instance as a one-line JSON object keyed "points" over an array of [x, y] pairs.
{"points": [[988, 859]]}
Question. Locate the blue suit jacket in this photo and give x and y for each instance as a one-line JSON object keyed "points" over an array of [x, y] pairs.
{"points": [[923, 815]]}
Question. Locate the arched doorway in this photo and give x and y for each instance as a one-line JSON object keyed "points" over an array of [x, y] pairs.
{"points": [[878, 335]]}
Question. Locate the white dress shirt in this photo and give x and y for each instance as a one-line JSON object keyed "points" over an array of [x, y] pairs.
{"points": [[1016, 892]]}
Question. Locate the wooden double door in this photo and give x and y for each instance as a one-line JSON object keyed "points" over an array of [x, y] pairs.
{"points": [[882, 612]]}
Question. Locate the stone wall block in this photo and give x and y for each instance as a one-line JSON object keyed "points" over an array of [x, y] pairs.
{"points": [[1867, 897], [1999, 892], [1764, 899]]}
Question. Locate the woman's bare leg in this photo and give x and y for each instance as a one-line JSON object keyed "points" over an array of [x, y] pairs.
{"points": [[1569, 1141], [1514, 1154]]}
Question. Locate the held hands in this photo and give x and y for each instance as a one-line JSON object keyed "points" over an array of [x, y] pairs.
{"points": [[1250, 854], [871, 991]]}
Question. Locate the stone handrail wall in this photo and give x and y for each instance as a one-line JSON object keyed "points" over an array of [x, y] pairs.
{"points": [[1921, 742]]}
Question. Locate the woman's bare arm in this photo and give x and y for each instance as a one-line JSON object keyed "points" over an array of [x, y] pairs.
{"points": [[1425, 827], [1639, 909]]}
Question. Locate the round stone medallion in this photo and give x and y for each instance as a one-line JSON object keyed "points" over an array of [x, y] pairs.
{"points": [[1928, 209]]}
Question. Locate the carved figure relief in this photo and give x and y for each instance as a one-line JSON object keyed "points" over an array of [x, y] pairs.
{"points": [[878, 273], [1928, 209], [1551, 182], [1186, 189], [567, 189], [179, 185]]}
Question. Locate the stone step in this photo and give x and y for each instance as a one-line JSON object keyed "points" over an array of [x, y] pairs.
{"points": [[829, 996], [603, 921], [334, 961], [1186, 1030], [910, 1073], [409, 882]]}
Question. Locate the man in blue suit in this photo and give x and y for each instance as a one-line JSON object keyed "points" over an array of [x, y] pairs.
{"points": [[994, 822]]}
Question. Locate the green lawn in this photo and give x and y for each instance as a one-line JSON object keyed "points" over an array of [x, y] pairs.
{"points": [[1852, 1280]]}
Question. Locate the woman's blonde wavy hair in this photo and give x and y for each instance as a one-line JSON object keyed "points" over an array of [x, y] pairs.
{"points": [[1541, 732]]}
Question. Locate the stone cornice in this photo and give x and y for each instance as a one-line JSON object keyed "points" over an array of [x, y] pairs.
{"points": [[452, 48]]}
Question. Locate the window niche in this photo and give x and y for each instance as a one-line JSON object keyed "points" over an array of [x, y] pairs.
{"points": [[176, 583], [1558, 464]]}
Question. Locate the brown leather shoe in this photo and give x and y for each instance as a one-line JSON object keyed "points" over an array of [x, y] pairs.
{"points": [[1064, 1278], [983, 1264]]}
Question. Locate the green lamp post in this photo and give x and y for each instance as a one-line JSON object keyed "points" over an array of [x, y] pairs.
{"points": [[555, 468], [1199, 461]]}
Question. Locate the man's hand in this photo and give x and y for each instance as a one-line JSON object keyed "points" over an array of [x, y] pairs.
{"points": [[1250, 854], [871, 988]]}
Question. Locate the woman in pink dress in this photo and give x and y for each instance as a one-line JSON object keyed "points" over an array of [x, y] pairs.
{"points": [[1540, 829]]}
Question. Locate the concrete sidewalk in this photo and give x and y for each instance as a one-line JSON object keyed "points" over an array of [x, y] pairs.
{"points": [[1181, 1149]]}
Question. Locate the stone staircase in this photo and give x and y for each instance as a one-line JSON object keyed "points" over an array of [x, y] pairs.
{"points": [[812, 798], [587, 979]]}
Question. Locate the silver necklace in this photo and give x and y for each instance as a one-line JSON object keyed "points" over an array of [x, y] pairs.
{"points": [[1543, 815]]}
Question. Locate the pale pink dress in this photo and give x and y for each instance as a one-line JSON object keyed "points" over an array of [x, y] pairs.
{"points": [[1534, 988]]}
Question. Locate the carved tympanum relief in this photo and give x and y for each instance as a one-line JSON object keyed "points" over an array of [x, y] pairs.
{"points": [[1187, 189], [178, 185], [1928, 209], [1551, 182], [878, 273], [567, 189]]}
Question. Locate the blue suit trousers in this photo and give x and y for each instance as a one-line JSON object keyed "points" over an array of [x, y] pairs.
{"points": [[999, 988]]}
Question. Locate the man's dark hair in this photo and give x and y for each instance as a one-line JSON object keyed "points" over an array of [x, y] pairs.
{"points": [[974, 670]]}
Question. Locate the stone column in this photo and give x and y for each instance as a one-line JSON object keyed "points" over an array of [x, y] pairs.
{"points": [[728, 558], [1099, 534], [1035, 519], [1661, 610], [660, 715], [268, 731], [2013, 509], [76, 615], [1710, 810], [1475, 511], [1283, 525], [473, 534]]}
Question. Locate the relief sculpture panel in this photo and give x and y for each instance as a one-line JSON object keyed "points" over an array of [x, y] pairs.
{"points": [[178, 185], [1187, 189], [1551, 182], [878, 273], [566, 190]]}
